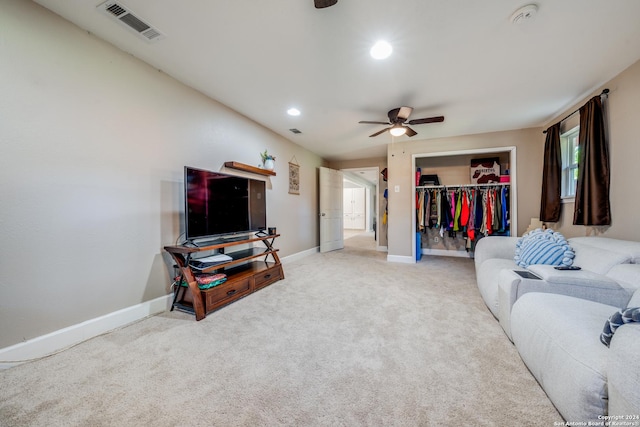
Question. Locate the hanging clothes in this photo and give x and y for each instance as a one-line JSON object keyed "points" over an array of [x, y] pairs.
{"points": [[445, 222], [497, 213], [505, 210], [471, 232], [480, 211], [438, 208], [476, 212], [427, 209], [458, 211], [433, 209], [464, 212], [490, 208], [420, 208]]}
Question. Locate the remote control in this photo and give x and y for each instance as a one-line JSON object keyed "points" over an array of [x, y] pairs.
{"points": [[567, 267]]}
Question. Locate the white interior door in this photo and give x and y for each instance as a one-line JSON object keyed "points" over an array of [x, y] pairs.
{"points": [[358, 204], [347, 208], [331, 199]]}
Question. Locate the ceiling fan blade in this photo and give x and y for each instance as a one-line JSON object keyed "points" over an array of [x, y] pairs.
{"points": [[393, 115], [404, 113], [436, 119], [378, 133], [410, 132], [399, 115], [324, 3], [373, 123]]}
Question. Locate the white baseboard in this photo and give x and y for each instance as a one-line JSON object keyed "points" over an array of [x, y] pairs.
{"points": [[63, 338], [445, 252], [382, 249], [401, 258], [299, 255]]}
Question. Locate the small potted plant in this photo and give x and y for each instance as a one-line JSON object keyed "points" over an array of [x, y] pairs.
{"points": [[268, 160]]}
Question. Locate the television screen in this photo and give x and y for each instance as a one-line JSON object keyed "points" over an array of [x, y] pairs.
{"points": [[219, 204]]}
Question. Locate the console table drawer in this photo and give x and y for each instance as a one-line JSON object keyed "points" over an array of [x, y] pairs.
{"points": [[226, 291], [267, 277]]}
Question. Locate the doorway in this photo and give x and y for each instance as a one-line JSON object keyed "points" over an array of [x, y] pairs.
{"points": [[360, 208]]}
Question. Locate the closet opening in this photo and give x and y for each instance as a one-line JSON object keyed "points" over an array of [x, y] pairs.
{"points": [[459, 186]]}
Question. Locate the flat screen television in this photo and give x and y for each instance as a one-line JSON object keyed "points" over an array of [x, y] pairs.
{"points": [[220, 205]]}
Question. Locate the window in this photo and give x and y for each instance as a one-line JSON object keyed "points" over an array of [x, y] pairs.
{"points": [[570, 153]]}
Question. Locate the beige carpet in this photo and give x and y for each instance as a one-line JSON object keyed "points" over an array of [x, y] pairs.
{"points": [[360, 239], [347, 339]]}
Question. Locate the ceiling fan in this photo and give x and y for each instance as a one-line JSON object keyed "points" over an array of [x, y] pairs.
{"points": [[324, 3], [398, 121]]}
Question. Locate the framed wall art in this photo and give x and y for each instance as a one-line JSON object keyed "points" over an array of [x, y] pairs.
{"points": [[294, 177]]}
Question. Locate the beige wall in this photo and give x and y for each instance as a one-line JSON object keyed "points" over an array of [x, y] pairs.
{"points": [[622, 115], [93, 145], [401, 174], [380, 163]]}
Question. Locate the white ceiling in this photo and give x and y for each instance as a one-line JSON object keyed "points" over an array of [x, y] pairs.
{"points": [[461, 59]]}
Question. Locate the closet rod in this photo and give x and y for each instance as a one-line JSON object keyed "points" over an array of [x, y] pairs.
{"points": [[495, 184], [604, 92]]}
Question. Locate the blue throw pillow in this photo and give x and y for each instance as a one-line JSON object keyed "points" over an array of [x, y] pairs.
{"points": [[616, 320], [543, 247]]}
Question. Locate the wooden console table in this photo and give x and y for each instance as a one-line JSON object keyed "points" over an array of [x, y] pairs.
{"points": [[245, 273]]}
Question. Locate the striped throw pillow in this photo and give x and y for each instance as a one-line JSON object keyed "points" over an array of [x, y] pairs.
{"points": [[543, 247], [617, 319]]}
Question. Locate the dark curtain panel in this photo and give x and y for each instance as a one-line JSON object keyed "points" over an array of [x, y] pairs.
{"points": [[551, 176], [592, 192]]}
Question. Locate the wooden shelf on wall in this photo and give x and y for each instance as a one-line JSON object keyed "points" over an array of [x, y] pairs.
{"points": [[248, 168]]}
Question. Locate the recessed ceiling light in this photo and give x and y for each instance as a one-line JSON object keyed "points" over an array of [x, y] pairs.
{"points": [[381, 50], [293, 112]]}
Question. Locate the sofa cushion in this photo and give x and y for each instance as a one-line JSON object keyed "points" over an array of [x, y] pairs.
{"points": [[627, 276], [558, 339], [623, 372], [487, 278], [596, 259], [625, 247], [635, 299], [494, 247], [543, 247]]}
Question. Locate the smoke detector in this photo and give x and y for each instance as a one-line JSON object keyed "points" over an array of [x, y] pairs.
{"points": [[525, 13]]}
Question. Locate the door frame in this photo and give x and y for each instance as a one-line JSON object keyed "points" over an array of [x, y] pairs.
{"points": [[375, 169]]}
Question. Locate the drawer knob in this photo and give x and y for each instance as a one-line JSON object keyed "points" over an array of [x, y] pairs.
{"points": [[231, 292], [267, 276]]}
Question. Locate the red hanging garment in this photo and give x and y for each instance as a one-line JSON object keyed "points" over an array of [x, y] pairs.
{"points": [[464, 213]]}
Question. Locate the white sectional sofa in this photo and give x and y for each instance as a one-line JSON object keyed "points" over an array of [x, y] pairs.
{"points": [[555, 322]]}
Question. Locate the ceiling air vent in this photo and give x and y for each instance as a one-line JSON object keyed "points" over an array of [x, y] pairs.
{"points": [[122, 14], [294, 130]]}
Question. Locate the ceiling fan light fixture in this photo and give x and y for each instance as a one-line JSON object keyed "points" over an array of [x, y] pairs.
{"points": [[398, 130], [381, 50]]}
